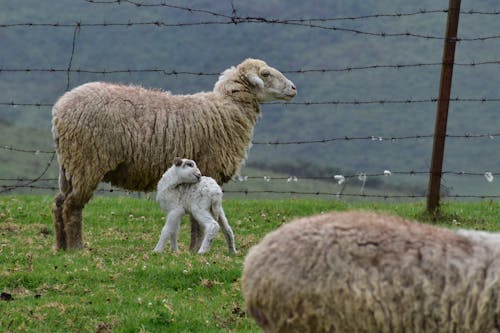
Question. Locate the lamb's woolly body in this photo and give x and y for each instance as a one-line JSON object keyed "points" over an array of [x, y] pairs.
{"points": [[201, 199], [128, 135], [202, 195], [369, 272]]}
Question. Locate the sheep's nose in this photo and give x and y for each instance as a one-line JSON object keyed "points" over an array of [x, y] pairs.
{"points": [[293, 87]]}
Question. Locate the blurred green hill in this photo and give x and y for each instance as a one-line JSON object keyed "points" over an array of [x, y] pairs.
{"points": [[206, 44]]}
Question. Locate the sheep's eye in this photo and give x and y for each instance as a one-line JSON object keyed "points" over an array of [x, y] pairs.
{"points": [[189, 164], [265, 73]]}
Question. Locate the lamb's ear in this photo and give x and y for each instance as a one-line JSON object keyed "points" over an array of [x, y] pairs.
{"points": [[177, 161], [255, 80]]}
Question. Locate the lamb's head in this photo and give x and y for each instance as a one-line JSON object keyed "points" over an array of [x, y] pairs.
{"points": [[186, 171], [266, 82]]}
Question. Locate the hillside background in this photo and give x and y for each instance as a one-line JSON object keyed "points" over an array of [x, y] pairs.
{"points": [[294, 49]]}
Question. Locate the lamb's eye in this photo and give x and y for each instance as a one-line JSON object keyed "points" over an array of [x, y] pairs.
{"points": [[189, 164]]}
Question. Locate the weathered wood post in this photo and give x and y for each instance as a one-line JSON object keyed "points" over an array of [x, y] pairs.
{"points": [[442, 105]]}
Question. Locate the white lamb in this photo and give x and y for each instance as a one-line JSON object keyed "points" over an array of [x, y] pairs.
{"points": [[183, 189]]}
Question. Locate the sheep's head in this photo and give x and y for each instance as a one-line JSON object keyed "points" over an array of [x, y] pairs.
{"points": [[186, 170], [266, 82]]}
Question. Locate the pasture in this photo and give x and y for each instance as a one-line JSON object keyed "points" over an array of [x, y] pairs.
{"points": [[116, 284]]}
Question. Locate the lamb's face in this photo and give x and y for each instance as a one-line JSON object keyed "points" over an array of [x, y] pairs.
{"points": [[187, 171], [271, 84]]}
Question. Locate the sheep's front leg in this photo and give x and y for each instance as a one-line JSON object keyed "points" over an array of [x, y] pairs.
{"points": [[210, 228], [170, 230]]}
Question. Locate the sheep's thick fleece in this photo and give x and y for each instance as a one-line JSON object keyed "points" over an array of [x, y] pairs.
{"points": [[372, 272], [112, 127]]}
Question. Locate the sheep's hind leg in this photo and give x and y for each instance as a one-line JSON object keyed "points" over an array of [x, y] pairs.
{"points": [[170, 230], [73, 206], [210, 227], [72, 216], [57, 210]]}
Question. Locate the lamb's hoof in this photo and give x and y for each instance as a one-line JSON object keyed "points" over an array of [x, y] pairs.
{"points": [[157, 250]]}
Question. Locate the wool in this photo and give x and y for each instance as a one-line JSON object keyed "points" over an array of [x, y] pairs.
{"points": [[372, 272], [182, 189], [128, 135]]}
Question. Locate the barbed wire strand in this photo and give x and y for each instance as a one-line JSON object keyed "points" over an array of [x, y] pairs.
{"points": [[325, 178], [73, 43], [311, 103], [201, 73], [164, 4], [362, 17], [324, 140], [292, 193], [249, 20], [32, 181]]}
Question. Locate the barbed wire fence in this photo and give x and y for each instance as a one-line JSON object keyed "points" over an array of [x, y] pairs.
{"points": [[339, 181]]}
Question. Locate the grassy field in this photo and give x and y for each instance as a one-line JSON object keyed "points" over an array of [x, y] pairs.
{"points": [[116, 284]]}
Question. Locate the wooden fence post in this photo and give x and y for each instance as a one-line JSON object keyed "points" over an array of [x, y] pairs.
{"points": [[442, 105]]}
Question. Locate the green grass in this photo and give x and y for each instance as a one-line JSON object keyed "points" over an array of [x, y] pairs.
{"points": [[117, 284]]}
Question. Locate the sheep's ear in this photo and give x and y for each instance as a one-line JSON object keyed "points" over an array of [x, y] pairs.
{"points": [[256, 80], [177, 161]]}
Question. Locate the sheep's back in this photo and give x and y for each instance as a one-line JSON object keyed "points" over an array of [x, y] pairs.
{"points": [[135, 133], [367, 272]]}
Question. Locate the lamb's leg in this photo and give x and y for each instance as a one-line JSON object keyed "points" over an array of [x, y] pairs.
{"points": [[170, 230], [196, 235], [210, 228], [226, 231]]}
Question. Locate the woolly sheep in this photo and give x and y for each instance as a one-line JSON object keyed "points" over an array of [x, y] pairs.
{"points": [[128, 135], [371, 272], [183, 189]]}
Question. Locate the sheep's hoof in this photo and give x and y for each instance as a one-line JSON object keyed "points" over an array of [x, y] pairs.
{"points": [[157, 250]]}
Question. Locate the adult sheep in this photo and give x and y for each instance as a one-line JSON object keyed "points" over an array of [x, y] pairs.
{"points": [[370, 272], [128, 136]]}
